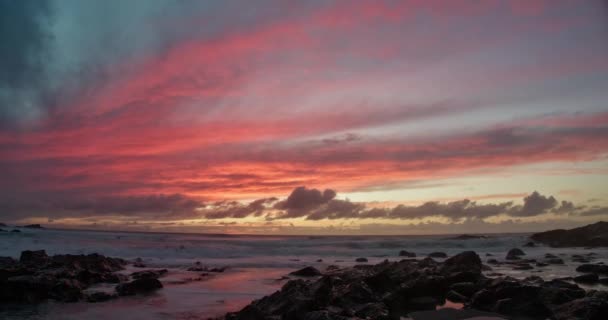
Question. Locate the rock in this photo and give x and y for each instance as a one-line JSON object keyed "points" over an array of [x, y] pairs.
{"points": [[437, 255], [404, 253], [588, 308], [361, 260], [149, 274], [603, 281], [493, 261], [16, 231], [33, 226], [92, 262], [319, 260], [36, 258], [554, 261], [37, 277], [530, 244], [99, 296], [515, 254], [455, 296], [556, 292], [137, 286], [2, 225], [26, 288], [489, 255], [466, 289], [593, 268], [218, 270], [467, 237], [587, 278], [550, 256], [306, 272], [422, 303], [467, 261], [593, 235], [66, 290], [374, 310]]}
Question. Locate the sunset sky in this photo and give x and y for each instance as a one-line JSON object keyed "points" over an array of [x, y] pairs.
{"points": [[304, 117]]}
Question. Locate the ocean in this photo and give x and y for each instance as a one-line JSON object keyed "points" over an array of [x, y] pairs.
{"points": [[257, 265]]}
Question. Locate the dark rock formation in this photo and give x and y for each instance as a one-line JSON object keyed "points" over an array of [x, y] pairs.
{"points": [[307, 272], [587, 278], [34, 258], [467, 237], [149, 274], [144, 285], [33, 226], [593, 235], [361, 260], [593, 268], [515, 254], [37, 277], [404, 253], [438, 255], [390, 290]]}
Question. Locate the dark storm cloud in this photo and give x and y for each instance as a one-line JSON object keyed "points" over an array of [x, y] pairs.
{"points": [[156, 205], [534, 204], [302, 200], [312, 204], [235, 209], [24, 39]]}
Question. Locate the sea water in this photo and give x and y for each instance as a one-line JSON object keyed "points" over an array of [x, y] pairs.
{"points": [[256, 265]]}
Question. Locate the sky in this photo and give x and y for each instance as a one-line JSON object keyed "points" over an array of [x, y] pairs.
{"points": [[304, 117]]}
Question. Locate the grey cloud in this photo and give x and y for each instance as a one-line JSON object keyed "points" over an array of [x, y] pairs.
{"points": [[312, 204], [595, 211], [303, 200], [234, 209], [453, 210], [24, 39], [534, 204], [152, 206]]}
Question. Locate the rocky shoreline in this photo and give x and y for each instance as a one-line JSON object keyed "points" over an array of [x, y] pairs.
{"points": [[37, 277], [395, 290], [461, 285]]}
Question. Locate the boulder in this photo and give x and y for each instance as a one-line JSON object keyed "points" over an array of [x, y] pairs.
{"points": [[515, 254], [361, 260], [467, 237], [587, 278], [467, 261], [149, 274], [593, 268], [33, 226], [404, 253], [138, 286], [34, 258], [437, 255], [306, 272]]}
